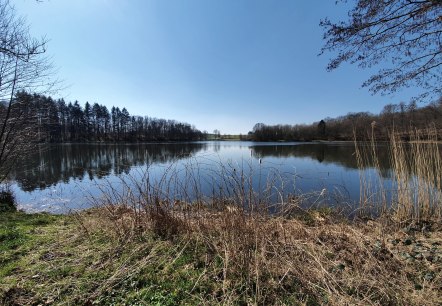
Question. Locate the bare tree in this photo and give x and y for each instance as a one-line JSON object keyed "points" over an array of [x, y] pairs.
{"points": [[23, 67], [403, 35], [217, 133]]}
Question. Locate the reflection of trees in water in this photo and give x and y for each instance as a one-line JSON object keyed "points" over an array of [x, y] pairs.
{"points": [[343, 155], [60, 163]]}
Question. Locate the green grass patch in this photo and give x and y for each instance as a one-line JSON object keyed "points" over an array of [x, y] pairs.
{"points": [[50, 259], [19, 234]]}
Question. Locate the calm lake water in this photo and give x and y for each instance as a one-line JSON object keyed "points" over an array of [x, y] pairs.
{"points": [[60, 178]]}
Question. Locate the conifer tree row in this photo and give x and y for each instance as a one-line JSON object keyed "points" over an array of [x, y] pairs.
{"points": [[57, 121]]}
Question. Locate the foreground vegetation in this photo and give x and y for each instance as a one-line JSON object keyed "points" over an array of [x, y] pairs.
{"points": [[110, 256]]}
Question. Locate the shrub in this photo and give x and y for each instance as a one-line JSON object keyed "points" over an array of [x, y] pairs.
{"points": [[7, 201]]}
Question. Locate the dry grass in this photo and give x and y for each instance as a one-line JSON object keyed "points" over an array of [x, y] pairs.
{"points": [[313, 260], [225, 258], [416, 171]]}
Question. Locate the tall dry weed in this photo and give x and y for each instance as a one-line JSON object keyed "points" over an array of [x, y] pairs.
{"points": [[415, 194]]}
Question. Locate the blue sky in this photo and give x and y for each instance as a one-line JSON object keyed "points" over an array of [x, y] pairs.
{"points": [[217, 64]]}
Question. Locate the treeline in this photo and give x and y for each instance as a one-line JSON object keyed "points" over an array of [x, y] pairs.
{"points": [[56, 121], [401, 118]]}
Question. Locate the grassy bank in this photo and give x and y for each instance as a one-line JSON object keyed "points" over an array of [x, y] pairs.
{"points": [[109, 257]]}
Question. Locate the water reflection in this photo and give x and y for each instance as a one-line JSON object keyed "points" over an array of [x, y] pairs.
{"points": [[60, 163], [339, 154], [78, 169]]}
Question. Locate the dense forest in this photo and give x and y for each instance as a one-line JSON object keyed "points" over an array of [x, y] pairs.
{"points": [[56, 121], [402, 118]]}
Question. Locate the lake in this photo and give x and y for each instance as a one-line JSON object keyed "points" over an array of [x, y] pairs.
{"points": [[60, 178]]}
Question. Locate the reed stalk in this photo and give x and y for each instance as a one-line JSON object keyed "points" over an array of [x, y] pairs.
{"points": [[415, 192]]}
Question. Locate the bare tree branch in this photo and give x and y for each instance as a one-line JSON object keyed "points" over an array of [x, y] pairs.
{"points": [[402, 35], [23, 67]]}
